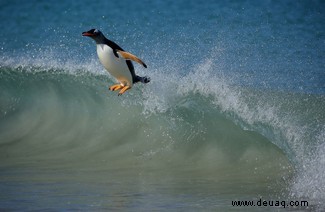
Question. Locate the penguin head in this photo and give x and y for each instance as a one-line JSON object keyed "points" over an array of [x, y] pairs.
{"points": [[96, 35]]}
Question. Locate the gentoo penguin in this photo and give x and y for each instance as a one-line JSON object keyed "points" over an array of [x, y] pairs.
{"points": [[116, 61]]}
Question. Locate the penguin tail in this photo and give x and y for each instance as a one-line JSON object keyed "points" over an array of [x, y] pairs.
{"points": [[144, 79]]}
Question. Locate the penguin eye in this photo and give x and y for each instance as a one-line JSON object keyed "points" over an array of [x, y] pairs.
{"points": [[96, 31]]}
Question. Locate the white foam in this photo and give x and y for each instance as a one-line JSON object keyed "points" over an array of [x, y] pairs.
{"points": [[310, 180], [50, 60]]}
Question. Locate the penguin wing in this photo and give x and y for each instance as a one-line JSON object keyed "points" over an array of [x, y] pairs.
{"points": [[129, 56]]}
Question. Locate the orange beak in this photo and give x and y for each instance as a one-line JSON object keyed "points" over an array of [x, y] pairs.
{"points": [[87, 34]]}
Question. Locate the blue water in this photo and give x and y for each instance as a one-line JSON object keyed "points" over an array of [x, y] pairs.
{"points": [[234, 109]]}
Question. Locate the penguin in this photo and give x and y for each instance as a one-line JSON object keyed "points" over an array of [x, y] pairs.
{"points": [[117, 62]]}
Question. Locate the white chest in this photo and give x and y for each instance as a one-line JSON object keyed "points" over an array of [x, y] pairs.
{"points": [[116, 66]]}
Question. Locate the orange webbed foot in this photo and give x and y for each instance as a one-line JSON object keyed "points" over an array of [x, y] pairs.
{"points": [[122, 91], [115, 87]]}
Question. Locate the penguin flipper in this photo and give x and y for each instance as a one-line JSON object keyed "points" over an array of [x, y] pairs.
{"points": [[129, 56]]}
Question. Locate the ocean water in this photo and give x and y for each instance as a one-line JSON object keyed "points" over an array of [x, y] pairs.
{"points": [[234, 110]]}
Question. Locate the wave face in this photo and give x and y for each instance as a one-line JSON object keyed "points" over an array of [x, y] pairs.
{"points": [[198, 122], [71, 116]]}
